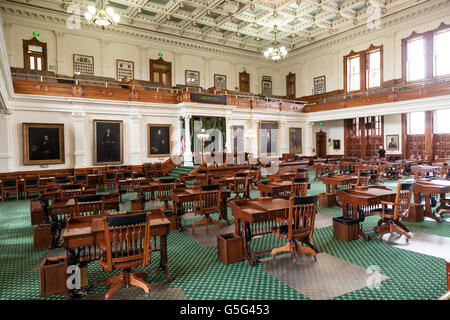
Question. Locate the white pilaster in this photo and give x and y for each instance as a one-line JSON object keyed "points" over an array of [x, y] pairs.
{"points": [[284, 138], [309, 139], [134, 140], [79, 122], [7, 29], [6, 152], [187, 142], [60, 53], [107, 71], [207, 83], [145, 65]]}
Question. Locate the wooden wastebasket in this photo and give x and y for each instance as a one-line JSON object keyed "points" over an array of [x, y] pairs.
{"points": [[53, 276], [229, 248], [416, 213], [345, 228], [136, 203], [42, 236]]}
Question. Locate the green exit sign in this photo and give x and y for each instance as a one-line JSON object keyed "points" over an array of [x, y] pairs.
{"points": [[320, 123], [160, 54], [36, 34], [244, 68]]}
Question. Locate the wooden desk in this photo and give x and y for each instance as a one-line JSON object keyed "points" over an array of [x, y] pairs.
{"points": [[322, 168], [181, 196], [274, 188], [331, 182], [366, 199], [425, 170], [283, 175], [83, 235], [153, 187], [256, 217], [428, 188]]}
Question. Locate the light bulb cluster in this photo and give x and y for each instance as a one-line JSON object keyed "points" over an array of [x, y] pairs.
{"points": [[102, 17], [275, 53]]}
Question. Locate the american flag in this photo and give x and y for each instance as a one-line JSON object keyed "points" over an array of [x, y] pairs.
{"points": [[182, 145]]}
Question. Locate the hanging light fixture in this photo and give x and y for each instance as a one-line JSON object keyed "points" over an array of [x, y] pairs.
{"points": [[276, 52], [102, 17]]}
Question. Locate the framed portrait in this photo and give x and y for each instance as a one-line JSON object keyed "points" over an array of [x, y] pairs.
{"points": [[336, 144], [124, 68], [268, 138], [159, 143], [220, 81], [266, 84], [83, 64], [319, 85], [43, 143], [238, 138], [192, 78], [108, 142], [295, 140], [392, 142]]}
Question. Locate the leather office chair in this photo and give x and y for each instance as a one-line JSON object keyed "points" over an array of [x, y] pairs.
{"points": [[148, 169], [89, 205], [62, 180], [362, 180], [299, 228], [127, 245], [31, 184], [390, 217], [240, 184], [209, 202], [9, 186]]}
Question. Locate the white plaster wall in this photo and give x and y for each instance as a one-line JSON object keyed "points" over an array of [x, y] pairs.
{"points": [[335, 131], [393, 125]]}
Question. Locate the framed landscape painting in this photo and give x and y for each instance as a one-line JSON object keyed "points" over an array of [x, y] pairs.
{"points": [[159, 143], [295, 140], [108, 142], [43, 143]]}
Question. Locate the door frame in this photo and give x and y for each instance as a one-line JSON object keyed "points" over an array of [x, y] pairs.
{"points": [[324, 134]]}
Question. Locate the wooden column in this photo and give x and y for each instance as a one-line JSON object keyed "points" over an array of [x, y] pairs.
{"points": [[429, 134]]}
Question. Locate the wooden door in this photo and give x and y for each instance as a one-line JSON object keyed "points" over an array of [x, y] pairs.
{"points": [[321, 144], [244, 81], [290, 86]]}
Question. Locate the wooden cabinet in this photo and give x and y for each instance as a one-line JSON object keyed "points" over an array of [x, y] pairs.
{"points": [[53, 276]]}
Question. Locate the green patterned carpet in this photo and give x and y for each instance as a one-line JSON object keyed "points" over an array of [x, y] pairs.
{"points": [[198, 272]]}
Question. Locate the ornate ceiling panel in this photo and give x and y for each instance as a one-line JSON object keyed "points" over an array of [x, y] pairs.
{"points": [[241, 24]]}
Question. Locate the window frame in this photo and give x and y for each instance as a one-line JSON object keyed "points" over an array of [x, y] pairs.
{"points": [[363, 68], [429, 53]]}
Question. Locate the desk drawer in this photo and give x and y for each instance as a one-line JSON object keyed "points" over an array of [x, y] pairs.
{"points": [[81, 242]]}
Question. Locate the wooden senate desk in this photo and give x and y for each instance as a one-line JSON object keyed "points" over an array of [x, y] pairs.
{"points": [[184, 201], [282, 175], [322, 168], [256, 217], [425, 170], [149, 189], [274, 188], [331, 182], [83, 235], [365, 199], [430, 188]]}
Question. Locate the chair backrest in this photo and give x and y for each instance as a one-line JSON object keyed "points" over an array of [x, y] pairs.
{"points": [[82, 178], [139, 175], [240, 182], [62, 180], [127, 240], [165, 188], [202, 171], [31, 182], [363, 178], [301, 172], [210, 198], [127, 174], [157, 165], [403, 198], [302, 215], [89, 205], [299, 187], [10, 183], [110, 176]]}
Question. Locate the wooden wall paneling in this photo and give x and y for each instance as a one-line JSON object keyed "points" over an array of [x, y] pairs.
{"points": [[404, 136], [429, 133]]}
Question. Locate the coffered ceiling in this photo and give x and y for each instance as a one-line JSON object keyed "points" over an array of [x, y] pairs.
{"points": [[240, 24]]}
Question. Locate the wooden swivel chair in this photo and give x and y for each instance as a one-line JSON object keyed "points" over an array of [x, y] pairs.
{"points": [[362, 180], [254, 173], [70, 191], [299, 187], [299, 228], [89, 205], [208, 203], [390, 216], [110, 180], [301, 173], [127, 245], [158, 169], [81, 179], [240, 184], [31, 184], [9, 186], [62, 180], [164, 193]]}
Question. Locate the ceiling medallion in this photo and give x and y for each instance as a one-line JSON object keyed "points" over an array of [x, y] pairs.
{"points": [[275, 53], [102, 17]]}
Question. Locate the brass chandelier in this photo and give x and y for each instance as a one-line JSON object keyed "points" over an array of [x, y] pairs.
{"points": [[277, 52], [102, 17]]}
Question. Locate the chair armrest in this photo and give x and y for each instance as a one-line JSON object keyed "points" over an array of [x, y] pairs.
{"points": [[102, 246]]}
